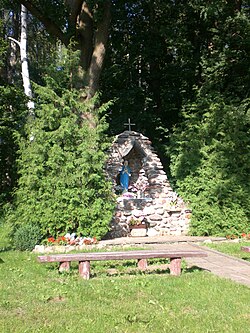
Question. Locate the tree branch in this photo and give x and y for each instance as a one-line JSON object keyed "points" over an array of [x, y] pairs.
{"points": [[15, 41], [50, 25], [74, 10]]}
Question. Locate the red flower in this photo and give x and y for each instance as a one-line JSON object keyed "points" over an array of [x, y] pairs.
{"points": [[51, 240], [61, 239], [243, 235], [231, 236]]}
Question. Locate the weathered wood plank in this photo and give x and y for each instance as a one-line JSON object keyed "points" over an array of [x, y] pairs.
{"points": [[175, 266], [84, 269], [142, 264], [64, 266], [245, 248], [145, 254]]}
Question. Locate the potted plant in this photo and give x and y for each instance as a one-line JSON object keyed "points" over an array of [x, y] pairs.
{"points": [[138, 227]]}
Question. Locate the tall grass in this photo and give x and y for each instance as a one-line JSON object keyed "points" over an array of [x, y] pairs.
{"points": [[35, 298]]}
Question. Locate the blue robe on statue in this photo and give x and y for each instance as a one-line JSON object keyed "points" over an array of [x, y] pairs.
{"points": [[125, 173]]}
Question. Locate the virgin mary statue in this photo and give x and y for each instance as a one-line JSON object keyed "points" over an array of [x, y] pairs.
{"points": [[125, 174]]}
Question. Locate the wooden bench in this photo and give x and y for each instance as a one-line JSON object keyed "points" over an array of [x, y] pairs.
{"points": [[84, 259], [245, 248]]}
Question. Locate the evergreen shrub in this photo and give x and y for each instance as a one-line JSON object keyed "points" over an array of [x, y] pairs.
{"points": [[62, 184], [6, 231], [12, 115], [26, 237], [210, 163]]}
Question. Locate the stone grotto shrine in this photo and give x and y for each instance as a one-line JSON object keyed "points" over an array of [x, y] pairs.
{"points": [[149, 198]]}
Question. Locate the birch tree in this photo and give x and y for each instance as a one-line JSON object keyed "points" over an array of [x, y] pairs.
{"points": [[24, 59]]}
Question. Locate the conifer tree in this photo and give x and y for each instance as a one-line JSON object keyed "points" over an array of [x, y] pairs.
{"points": [[62, 186]]}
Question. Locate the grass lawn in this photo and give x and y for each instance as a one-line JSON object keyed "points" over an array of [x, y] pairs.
{"points": [[231, 248], [36, 298]]}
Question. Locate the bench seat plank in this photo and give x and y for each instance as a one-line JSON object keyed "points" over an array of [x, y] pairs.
{"points": [[144, 254], [141, 257]]}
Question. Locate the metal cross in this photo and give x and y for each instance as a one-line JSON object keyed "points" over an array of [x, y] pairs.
{"points": [[129, 124]]}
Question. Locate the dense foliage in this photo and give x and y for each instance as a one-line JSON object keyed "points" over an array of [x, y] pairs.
{"points": [[62, 187], [210, 160], [26, 237], [210, 148], [12, 120], [178, 69]]}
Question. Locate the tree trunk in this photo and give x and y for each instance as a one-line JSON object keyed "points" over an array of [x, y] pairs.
{"points": [[24, 60], [90, 34], [13, 52], [100, 43]]}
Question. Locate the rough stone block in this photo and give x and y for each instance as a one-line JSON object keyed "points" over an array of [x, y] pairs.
{"points": [[159, 211], [138, 232], [148, 210], [155, 217], [152, 223], [151, 232]]}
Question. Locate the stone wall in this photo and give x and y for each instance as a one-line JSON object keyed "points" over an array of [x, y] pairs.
{"points": [[150, 197]]}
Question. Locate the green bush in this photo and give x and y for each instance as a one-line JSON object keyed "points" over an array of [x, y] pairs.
{"points": [[210, 163], [62, 184], [26, 237], [5, 236]]}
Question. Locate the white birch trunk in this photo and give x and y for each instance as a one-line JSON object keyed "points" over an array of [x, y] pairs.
{"points": [[24, 60]]}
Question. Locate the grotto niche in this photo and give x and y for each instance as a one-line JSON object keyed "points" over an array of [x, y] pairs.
{"points": [[149, 199]]}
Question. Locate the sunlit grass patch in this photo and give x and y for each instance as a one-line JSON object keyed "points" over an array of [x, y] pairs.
{"points": [[36, 298], [231, 248]]}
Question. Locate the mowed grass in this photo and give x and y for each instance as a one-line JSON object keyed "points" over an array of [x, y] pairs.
{"points": [[36, 298], [231, 248]]}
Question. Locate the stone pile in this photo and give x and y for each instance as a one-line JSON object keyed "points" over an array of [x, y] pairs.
{"points": [[150, 197]]}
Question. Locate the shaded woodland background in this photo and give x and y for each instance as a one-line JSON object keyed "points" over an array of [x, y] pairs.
{"points": [[178, 69]]}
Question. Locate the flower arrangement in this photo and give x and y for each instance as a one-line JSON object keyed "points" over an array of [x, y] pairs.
{"points": [[231, 236], [71, 239], [59, 241], [242, 236], [128, 195], [245, 236], [133, 221]]}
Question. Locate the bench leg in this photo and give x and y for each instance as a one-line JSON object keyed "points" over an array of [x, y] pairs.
{"points": [[175, 266], [84, 269], [64, 266], [142, 264]]}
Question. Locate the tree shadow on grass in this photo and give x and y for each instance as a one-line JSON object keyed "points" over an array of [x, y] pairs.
{"points": [[149, 271], [5, 249], [121, 269], [128, 272], [193, 269], [246, 258]]}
